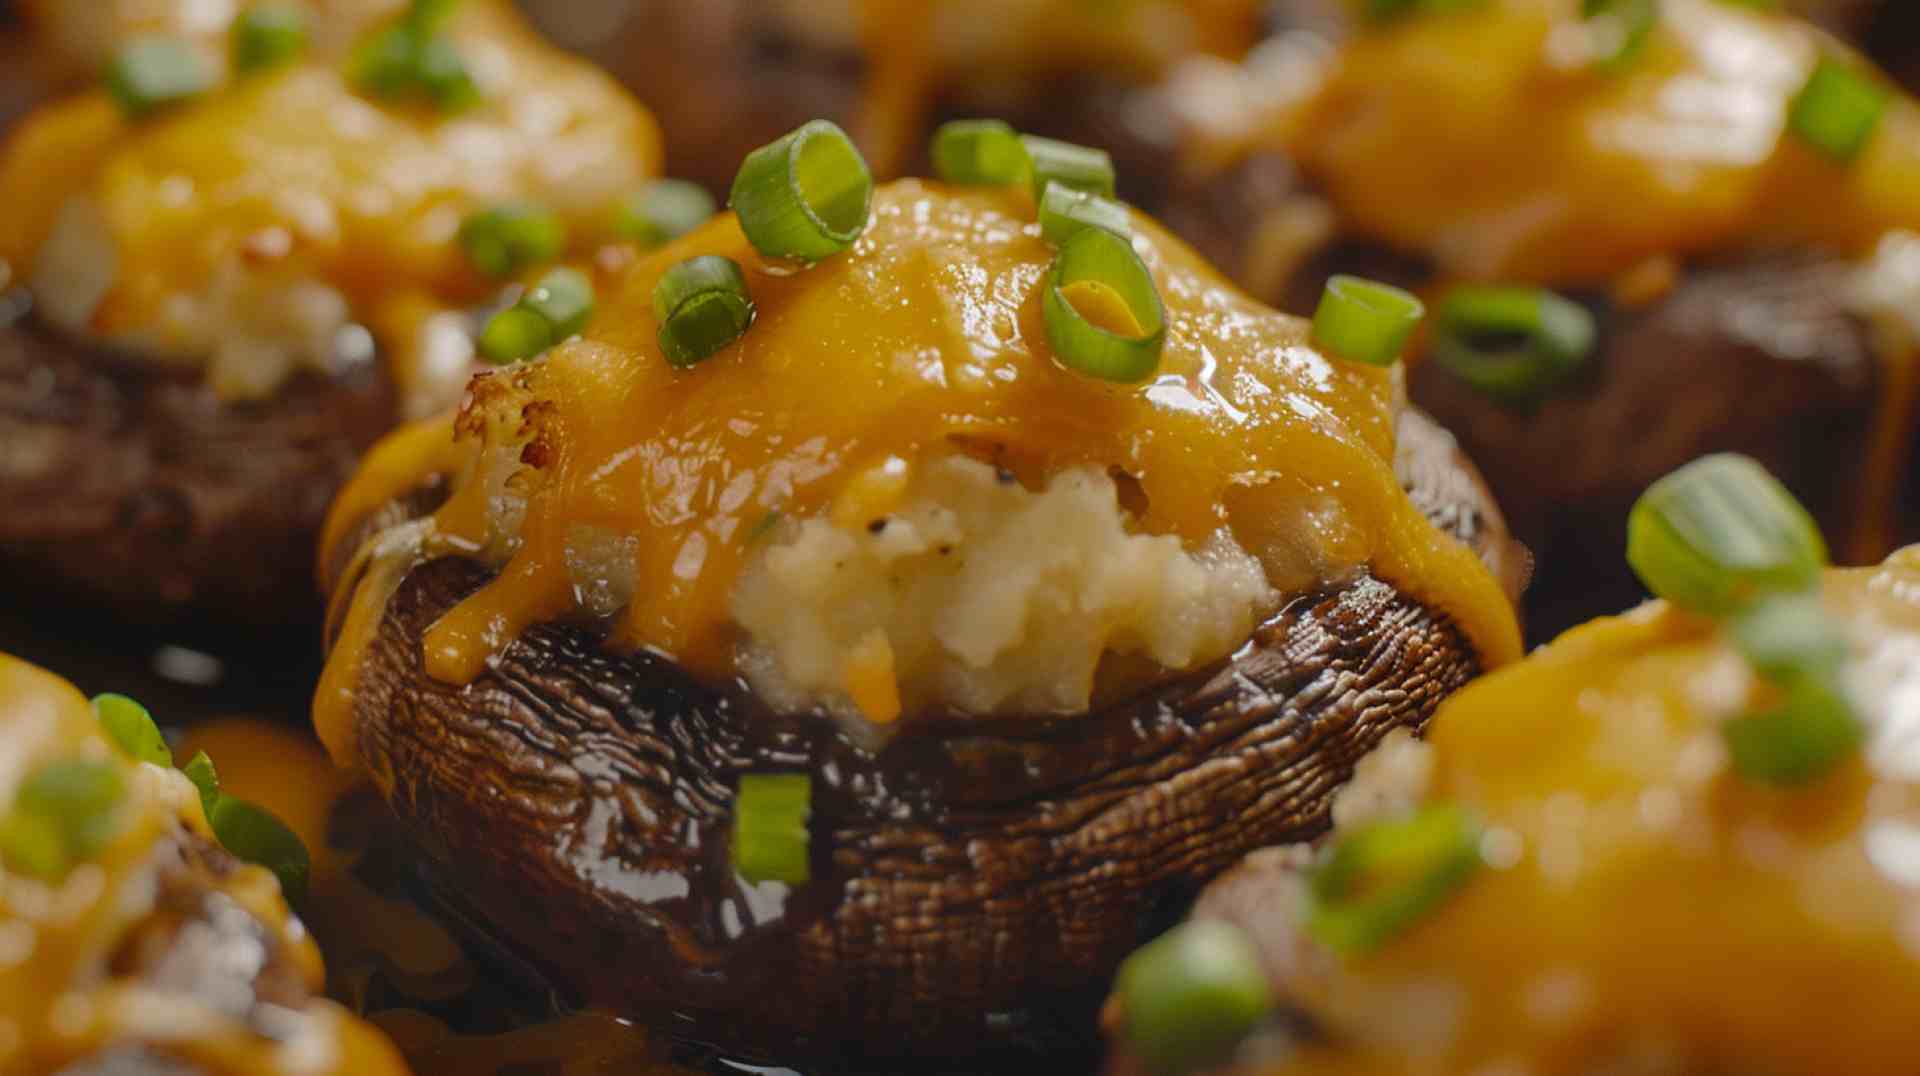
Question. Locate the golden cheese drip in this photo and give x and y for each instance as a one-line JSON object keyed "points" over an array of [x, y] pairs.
{"points": [[58, 1000], [1649, 903], [925, 338], [294, 176]]}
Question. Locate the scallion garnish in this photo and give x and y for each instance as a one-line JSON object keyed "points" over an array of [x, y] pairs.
{"points": [[1619, 29], [981, 153], [268, 35], [1789, 637], [1798, 741], [1513, 344], [154, 72], [444, 77], [804, 195], [1191, 995], [1381, 878], [1084, 168], [1103, 311], [130, 726], [506, 239], [1064, 211], [663, 210], [514, 334], [64, 812], [1837, 111], [557, 307], [1720, 532], [412, 58], [702, 305], [251, 832], [770, 842], [1365, 321]]}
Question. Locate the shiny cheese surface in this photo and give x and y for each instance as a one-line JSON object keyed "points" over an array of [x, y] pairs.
{"points": [[925, 338], [82, 35], [59, 999], [294, 175], [1490, 140], [1646, 903]]}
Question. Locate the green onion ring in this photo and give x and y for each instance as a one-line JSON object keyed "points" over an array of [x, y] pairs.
{"points": [[1838, 110], [702, 305], [1721, 532], [1191, 995], [1064, 211], [805, 195], [1789, 637], [1512, 344], [983, 153], [1621, 29], [155, 72], [663, 210], [514, 334], [1798, 741], [1083, 168], [770, 840], [254, 835], [564, 296], [268, 35], [1364, 321], [1381, 878], [1095, 255]]}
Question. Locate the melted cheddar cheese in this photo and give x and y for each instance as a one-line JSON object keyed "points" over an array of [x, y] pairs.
{"points": [[1646, 907], [82, 37], [171, 228], [926, 338], [59, 999]]}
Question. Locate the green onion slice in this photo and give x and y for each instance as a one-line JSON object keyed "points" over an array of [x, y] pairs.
{"points": [[444, 76], [702, 305], [428, 16], [664, 210], [805, 195], [412, 58], [1720, 532], [565, 298], [1789, 637], [80, 797], [1382, 878], [1191, 995], [1064, 211], [770, 842], [1103, 311], [980, 153], [1798, 741], [34, 845], [514, 334], [200, 771], [254, 835], [268, 35], [505, 239], [1083, 168], [1512, 344], [133, 728], [387, 64], [154, 72], [1365, 321], [1837, 111], [1620, 28]]}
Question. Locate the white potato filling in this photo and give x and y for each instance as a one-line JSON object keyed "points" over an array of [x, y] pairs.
{"points": [[978, 595]]}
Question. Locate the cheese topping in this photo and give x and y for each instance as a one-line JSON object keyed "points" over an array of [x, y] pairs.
{"points": [[59, 1000], [275, 223], [1642, 896], [924, 340]]}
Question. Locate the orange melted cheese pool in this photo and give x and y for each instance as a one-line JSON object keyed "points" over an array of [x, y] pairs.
{"points": [[1649, 903], [59, 1000], [925, 338], [293, 175]]}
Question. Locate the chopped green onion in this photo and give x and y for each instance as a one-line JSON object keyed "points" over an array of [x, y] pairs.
{"points": [[982, 153], [1513, 344], [1620, 28], [565, 298], [664, 210], [1365, 321], [130, 725], [33, 845], [1837, 111], [412, 58], [702, 305], [254, 835], [1191, 995], [1798, 741], [80, 797], [804, 195], [506, 239], [428, 16], [201, 772], [1383, 877], [1789, 637], [1720, 532], [388, 63], [444, 77], [1084, 168], [514, 334], [770, 842], [268, 35], [154, 72], [1096, 262], [1064, 211]]}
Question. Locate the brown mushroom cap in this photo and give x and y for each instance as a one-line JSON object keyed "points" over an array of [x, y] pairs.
{"points": [[971, 873], [136, 485]]}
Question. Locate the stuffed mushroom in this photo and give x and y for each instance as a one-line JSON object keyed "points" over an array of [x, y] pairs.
{"points": [[882, 598], [216, 294], [1670, 842], [136, 943]]}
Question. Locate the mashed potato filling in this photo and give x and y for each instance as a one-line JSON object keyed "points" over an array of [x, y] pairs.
{"points": [[979, 595]]}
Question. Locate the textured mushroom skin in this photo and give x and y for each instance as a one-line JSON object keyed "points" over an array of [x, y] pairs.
{"points": [[138, 487]]}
